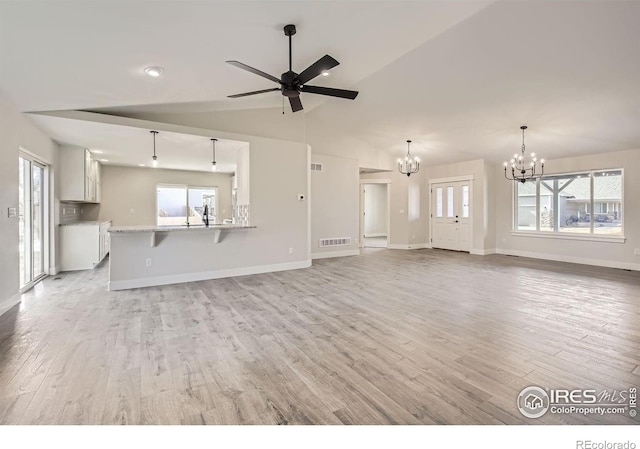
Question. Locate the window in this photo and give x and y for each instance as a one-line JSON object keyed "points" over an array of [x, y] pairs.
{"points": [[439, 202], [449, 201], [465, 201], [526, 209], [578, 203], [181, 205]]}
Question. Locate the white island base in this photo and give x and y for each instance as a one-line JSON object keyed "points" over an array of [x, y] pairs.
{"points": [[143, 256]]}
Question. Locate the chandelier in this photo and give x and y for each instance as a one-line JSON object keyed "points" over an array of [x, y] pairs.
{"points": [[520, 170], [409, 164]]}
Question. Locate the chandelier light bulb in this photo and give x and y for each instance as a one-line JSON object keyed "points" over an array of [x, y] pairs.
{"points": [[154, 161]]}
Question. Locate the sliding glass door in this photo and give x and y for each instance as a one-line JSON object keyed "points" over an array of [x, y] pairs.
{"points": [[32, 230]]}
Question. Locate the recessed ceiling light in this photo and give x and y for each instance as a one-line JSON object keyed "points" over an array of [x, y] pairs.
{"points": [[153, 71], [141, 165], [325, 73], [97, 151]]}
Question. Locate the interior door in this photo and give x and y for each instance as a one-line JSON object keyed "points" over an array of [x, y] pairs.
{"points": [[451, 215]]}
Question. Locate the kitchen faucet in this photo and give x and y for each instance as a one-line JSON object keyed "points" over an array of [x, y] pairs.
{"points": [[205, 215]]}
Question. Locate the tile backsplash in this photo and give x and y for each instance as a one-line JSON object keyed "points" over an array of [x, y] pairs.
{"points": [[70, 212]]}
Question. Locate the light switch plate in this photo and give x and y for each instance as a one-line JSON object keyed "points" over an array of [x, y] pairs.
{"points": [[12, 212]]}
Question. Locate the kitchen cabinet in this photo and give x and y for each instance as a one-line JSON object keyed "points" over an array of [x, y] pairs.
{"points": [[84, 244], [79, 175]]}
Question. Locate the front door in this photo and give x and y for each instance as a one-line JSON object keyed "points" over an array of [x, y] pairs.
{"points": [[451, 215]]}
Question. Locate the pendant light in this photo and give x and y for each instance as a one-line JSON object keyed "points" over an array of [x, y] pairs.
{"points": [[213, 162], [520, 171], [154, 159], [409, 164]]}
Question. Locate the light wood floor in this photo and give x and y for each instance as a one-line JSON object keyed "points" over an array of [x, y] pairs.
{"points": [[410, 337]]}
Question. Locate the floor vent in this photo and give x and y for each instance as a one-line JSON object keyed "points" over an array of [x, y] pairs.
{"points": [[316, 167], [344, 241]]}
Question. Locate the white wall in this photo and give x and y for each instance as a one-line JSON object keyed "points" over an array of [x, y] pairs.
{"points": [[279, 172], [334, 199], [17, 131], [409, 205], [126, 188], [375, 209], [618, 255], [326, 139], [266, 122], [243, 177], [483, 222], [409, 220]]}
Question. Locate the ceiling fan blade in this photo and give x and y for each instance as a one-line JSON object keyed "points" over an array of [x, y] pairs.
{"points": [[255, 92], [296, 104], [315, 69], [252, 70], [341, 93]]}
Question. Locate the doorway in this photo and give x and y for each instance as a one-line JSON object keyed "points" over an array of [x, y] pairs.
{"points": [[451, 206], [33, 226], [375, 215]]}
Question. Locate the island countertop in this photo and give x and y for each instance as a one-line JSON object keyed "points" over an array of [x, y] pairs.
{"points": [[213, 227], [85, 223]]}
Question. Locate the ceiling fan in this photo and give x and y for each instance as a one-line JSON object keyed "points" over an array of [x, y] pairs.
{"points": [[292, 83]]}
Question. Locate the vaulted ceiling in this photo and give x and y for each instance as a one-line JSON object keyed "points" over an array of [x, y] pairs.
{"points": [[458, 78]]}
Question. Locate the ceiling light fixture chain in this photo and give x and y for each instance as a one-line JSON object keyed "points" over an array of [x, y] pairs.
{"points": [[520, 171], [154, 160], [409, 164]]}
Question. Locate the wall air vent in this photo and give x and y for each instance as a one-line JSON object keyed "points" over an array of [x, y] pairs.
{"points": [[343, 241], [316, 167]]}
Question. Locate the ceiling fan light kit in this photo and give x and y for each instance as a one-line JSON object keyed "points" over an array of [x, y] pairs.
{"points": [[292, 83], [520, 170]]}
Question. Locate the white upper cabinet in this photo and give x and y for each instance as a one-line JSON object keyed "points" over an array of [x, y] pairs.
{"points": [[79, 175]]}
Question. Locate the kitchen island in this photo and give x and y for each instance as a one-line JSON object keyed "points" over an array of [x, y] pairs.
{"points": [[144, 256]]}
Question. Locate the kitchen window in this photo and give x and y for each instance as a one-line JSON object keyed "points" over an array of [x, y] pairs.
{"points": [[587, 203], [179, 205]]}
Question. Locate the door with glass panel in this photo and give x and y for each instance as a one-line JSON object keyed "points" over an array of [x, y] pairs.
{"points": [[32, 229], [451, 215]]}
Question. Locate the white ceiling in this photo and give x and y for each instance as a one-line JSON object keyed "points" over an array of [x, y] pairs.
{"points": [[458, 78], [127, 145]]}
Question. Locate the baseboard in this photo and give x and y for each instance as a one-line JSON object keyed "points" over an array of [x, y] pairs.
{"points": [[571, 259], [330, 254], [53, 271], [9, 303], [376, 234], [205, 275], [412, 246], [482, 252]]}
